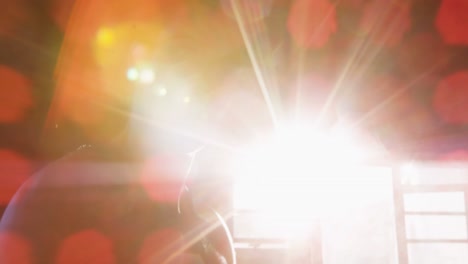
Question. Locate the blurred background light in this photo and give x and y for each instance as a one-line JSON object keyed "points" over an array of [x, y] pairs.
{"points": [[161, 91], [132, 74], [105, 37], [146, 76]]}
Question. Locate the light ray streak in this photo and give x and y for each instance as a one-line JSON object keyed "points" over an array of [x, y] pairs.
{"points": [[355, 57], [374, 53], [254, 60], [393, 96], [180, 132], [89, 98], [300, 70], [301, 57], [400, 91], [199, 232], [160, 125]]}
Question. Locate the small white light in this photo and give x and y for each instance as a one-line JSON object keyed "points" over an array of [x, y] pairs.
{"points": [[186, 99], [162, 91], [132, 74], [147, 76]]}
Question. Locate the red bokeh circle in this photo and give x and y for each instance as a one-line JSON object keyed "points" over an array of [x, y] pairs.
{"points": [[14, 249], [14, 171], [450, 100], [87, 246], [452, 21], [15, 95], [312, 22]]}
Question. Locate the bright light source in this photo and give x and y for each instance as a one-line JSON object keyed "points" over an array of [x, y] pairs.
{"points": [[133, 74], [186, 99], [147, 76], [298, 151], [292, 175]]}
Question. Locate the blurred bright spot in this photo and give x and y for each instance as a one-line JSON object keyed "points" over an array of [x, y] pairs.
{"points": [[161, 91], [105, 37], [14, 249], [386, 22], [14, 171], [15, 95], [186, 99], [133, 74], [162, 178], [128, 43], [452, 21], [450, 99], [146, 76], [87, 246], [312, 22], [161, 244]]}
